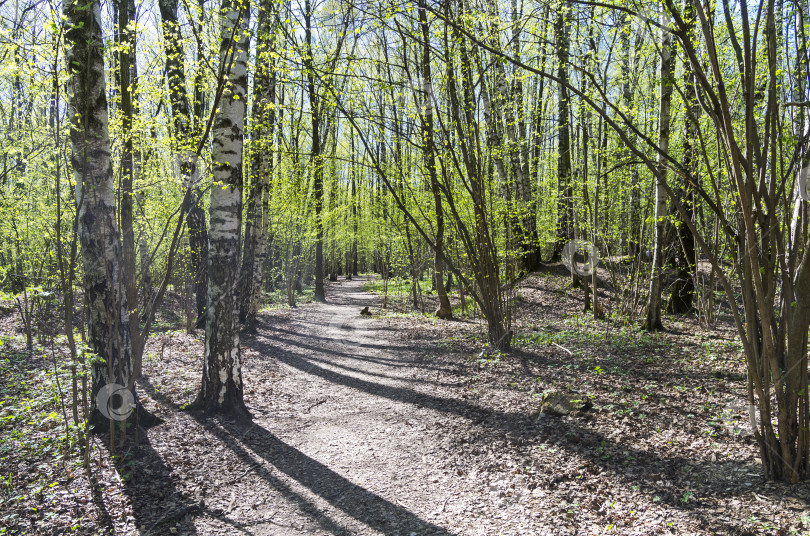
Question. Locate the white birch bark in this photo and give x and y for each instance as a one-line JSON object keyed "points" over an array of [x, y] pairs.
{"points": [[222, 374]]}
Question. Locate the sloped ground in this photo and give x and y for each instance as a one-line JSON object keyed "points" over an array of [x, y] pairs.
{"points": [[399, 425]]}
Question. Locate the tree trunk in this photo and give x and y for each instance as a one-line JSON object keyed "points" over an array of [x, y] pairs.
{"points": [[264, 115], [680, 299], [186, 150], [565, 202], [317, 156], [128, 81], [653, 322], [445, 310], [631, 215], [355, 217], [105, 294], [222, 388]]}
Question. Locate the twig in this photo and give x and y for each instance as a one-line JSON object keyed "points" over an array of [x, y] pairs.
{"points": [[240, 477], [563, 348], [316, 404], [445, 504], [174, 515]]}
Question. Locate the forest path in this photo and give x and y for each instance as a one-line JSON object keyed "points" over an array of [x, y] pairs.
{"points": [[396, 425], [345, 424]]}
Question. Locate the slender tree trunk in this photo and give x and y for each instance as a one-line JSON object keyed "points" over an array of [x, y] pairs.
{"points": [[355, 216], [317, 156], [653, 322], [445, 310], [128, 81], [186, 134], [680, 299], [631, 214], [105, 293], [521, 159], [264, 115], [222, 388], [565, 201]]}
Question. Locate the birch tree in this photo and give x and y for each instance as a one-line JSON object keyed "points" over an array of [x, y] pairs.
{"points": [[258, 210], [107, 316], [221, 388]]}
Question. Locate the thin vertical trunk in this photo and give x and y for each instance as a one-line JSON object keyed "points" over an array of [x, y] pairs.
{"points": [[317, 150], [222, 388], [680, 299], [565, 201], [128, 80], [186, 140], [653, 322], [631, 215], [521, 160], [255, 249], [445, 310], [263, 235], [355, 221]]}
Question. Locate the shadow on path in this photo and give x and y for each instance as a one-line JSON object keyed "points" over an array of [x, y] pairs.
{"points": [[633, 465], [247, 441]]}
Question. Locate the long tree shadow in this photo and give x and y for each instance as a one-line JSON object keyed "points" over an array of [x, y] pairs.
{"points": [[264, 339], [246, 440], [156, 503], [635, 467]]}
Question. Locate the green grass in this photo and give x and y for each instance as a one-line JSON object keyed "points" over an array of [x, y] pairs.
{"points": [[396, 285], [277, 298], [622, 340], [33, 435]]}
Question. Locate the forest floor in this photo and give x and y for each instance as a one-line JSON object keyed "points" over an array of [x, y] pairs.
{"points": [[398, 424]]}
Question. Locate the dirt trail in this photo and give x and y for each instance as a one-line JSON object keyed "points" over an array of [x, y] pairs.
{"points": [[354, 423], [349, 430], [395, 426]]}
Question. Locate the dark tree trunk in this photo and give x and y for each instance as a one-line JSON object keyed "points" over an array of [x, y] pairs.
{"points": [[105, 293], [186, 138], [680, 299], [565, 201]]}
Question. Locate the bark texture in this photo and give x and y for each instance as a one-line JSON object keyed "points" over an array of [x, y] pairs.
{"points": [[653, 322], [222, 370], [107, 318], [256, 228]]}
